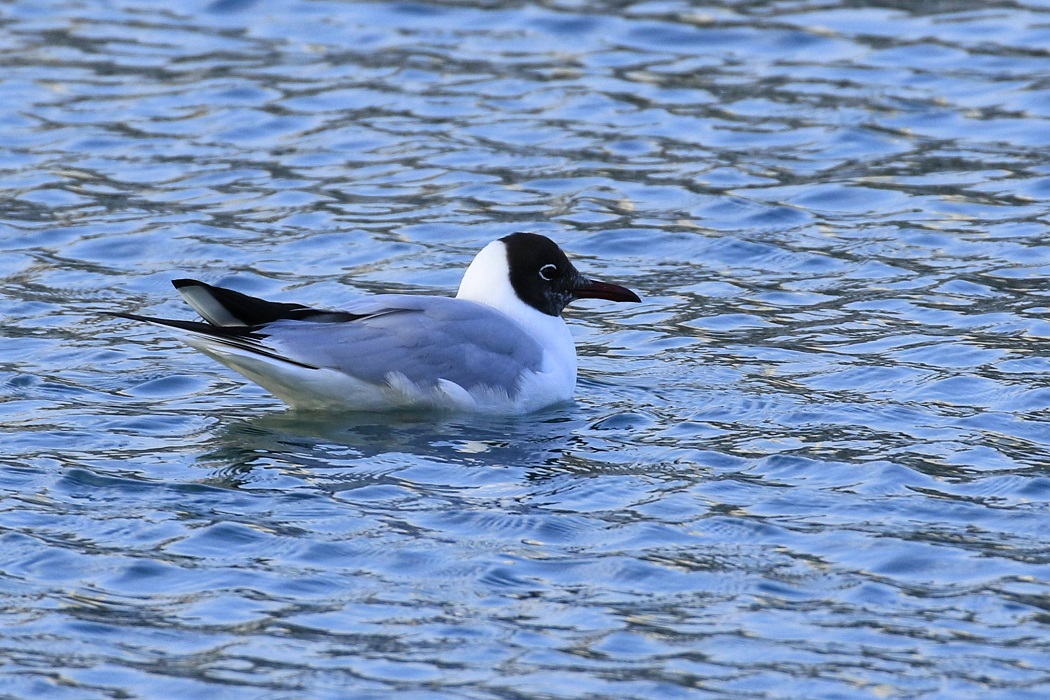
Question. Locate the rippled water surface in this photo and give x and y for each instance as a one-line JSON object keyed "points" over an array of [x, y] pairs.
{"points": [[812, 464]]}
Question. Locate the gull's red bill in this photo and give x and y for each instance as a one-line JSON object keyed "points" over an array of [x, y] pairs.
{"points": [[603, 290]]}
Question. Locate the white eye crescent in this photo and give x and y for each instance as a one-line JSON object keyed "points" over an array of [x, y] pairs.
{"points": [[549, 272]]}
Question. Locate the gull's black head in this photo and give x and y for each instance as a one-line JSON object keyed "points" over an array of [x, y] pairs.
{"points": [[543, 277]]}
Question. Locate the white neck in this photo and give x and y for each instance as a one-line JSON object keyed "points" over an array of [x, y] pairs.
{"points": [[487, 281]]}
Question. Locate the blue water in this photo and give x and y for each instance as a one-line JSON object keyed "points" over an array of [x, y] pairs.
{"points": [[814, 463]]}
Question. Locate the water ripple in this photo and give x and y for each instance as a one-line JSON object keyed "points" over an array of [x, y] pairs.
{"points": [[813, 463]]}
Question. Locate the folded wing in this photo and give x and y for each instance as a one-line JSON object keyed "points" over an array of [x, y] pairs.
{"points": [[426, 340]]}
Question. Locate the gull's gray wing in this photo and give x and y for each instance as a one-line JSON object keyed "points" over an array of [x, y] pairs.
{"points": [[423, 338]]}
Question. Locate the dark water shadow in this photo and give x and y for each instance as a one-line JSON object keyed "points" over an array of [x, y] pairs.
{"points": [[366, 442]]}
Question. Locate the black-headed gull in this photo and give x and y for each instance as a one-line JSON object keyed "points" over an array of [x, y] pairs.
{"points": [[499, 346]]}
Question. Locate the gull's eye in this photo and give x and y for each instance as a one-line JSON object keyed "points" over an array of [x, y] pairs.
{"points": [[549, 272]]}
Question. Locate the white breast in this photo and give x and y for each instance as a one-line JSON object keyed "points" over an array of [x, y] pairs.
{"points": [[487, 281]]}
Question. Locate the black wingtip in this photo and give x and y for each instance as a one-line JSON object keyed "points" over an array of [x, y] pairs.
{"points": [[192, 326], [121, 314], [220, 305]]}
